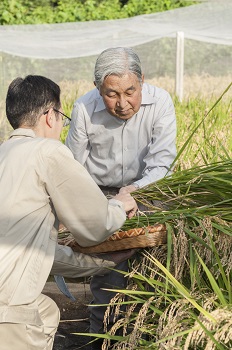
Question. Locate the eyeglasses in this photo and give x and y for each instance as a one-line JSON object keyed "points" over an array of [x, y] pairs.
{"points": [[65, 118]]}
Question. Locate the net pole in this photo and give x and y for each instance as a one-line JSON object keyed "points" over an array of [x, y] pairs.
{"points": [[179, 88]]}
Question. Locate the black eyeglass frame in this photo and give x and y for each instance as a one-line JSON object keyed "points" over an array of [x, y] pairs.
{"points": [[64, 115]]}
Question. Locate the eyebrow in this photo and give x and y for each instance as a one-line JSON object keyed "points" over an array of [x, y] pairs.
{"points": [[129, 88]]}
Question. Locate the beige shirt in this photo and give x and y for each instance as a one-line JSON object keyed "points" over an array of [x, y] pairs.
{"points": [[116, 152], [39, 180]]}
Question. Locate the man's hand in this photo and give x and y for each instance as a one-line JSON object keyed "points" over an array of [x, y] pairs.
{"points": [[127, 189], [129, 203]]}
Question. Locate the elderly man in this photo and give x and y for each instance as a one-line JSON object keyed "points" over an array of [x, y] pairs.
{"points": [[40, 184], [123, 132]]}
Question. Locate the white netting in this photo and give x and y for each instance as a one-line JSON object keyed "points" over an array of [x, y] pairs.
{"points": [[210, 22], [67, 52]]}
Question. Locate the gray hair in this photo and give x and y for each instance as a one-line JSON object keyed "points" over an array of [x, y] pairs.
{"points": [[117, 61]]}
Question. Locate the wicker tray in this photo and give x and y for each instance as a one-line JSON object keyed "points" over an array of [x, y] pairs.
{"points": [[149, 236]]}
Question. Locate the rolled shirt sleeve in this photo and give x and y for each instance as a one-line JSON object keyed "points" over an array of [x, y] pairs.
{"points": [[75, 265]]}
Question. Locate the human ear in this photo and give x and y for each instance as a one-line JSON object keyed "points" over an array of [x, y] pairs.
{"points": [[50, 118], [96, 86], [142, 80]]}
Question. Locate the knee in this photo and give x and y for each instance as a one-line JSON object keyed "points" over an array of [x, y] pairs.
{"points": [[54, 313], [49, 311]]}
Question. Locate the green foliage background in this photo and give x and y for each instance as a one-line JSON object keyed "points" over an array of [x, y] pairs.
{"points": [[55, 11]]}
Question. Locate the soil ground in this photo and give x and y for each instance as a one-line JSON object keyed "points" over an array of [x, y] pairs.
{"points": [[74, 315]]}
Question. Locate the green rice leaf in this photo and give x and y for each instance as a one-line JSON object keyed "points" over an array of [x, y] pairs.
{"points": [[213, 282]]}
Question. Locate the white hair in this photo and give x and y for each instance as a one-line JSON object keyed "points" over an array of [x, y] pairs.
{"points": [[117, 61]]}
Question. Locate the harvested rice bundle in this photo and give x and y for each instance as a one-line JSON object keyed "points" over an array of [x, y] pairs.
{"points": [[197, 192]]}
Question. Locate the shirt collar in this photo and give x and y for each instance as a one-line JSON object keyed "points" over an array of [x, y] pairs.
{"points": [[100, 106], [23, 132], [147, 99]]}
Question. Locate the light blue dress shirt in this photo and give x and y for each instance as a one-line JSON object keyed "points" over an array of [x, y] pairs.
{"points": [[117, 153]]}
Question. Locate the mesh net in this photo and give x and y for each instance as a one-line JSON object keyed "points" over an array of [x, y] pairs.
{"points": [[68, 51]]}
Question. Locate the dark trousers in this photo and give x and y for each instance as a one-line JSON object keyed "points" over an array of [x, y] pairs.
{"points": [[111, 280]]}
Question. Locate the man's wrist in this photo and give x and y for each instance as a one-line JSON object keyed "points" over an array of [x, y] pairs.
{"points": [[135, 185]]}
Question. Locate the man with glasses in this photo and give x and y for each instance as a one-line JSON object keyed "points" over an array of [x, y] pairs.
{"points": [[41, 184]]}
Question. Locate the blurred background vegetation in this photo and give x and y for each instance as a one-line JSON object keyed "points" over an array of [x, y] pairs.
{"points": [[55, 11]]}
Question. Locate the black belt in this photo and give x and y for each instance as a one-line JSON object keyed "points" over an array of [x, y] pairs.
{"points": [[106, 188], [109, 192]]}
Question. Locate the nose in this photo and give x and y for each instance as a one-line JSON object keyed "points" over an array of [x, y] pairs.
{"points": [[122, 102]]}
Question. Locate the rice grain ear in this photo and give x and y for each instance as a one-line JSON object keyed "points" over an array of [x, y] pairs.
{"points": [[221, 331]]}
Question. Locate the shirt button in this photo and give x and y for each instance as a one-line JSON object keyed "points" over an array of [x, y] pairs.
{"points": [[125, 148], [126, 168]]}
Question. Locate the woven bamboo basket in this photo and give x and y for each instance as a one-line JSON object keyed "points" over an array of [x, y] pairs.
{"points": [[149, 236]]}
